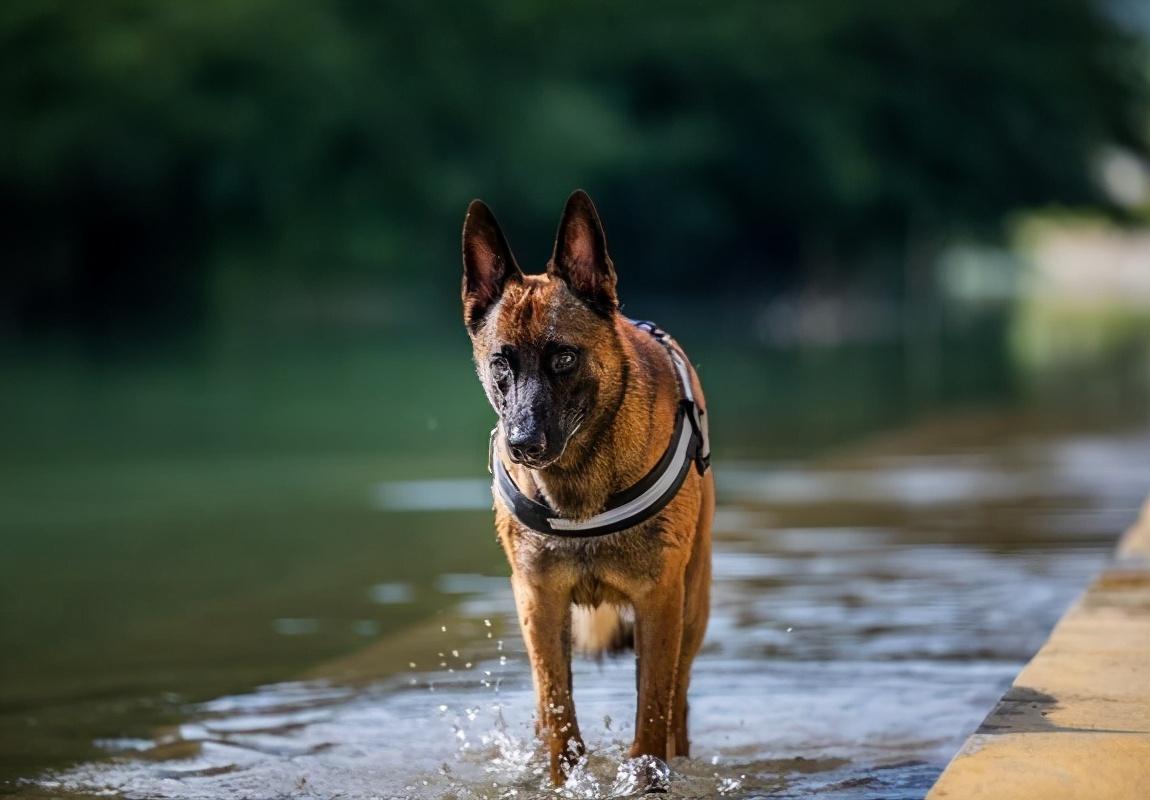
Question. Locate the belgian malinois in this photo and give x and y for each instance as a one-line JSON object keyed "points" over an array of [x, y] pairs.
{"points": [[603, 497]]}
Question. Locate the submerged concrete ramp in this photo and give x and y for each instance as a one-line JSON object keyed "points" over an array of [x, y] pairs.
{"points": [[1076, 722]]}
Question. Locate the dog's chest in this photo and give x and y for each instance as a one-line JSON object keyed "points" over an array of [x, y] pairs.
{"points": [[603, 569]]}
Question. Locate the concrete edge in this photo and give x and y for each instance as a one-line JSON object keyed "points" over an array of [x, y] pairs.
{"points": [[1076, 721], [1135, 543]]}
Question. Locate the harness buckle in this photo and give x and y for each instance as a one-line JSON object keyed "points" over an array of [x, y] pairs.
{"points": [[702, 454]]}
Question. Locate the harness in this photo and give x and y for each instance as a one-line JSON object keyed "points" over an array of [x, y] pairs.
{"points": [[638, 503]]}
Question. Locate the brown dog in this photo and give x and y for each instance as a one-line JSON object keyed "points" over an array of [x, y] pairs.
{"points": [[603, 499]]}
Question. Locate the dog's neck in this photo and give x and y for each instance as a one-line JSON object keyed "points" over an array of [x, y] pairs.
{"points": [[614, 451]]}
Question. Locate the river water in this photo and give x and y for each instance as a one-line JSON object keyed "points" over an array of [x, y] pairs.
{"points": [[870, 605]]}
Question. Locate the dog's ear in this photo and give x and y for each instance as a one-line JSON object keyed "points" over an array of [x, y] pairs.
{"points": [[580, 256], [487, 263]]}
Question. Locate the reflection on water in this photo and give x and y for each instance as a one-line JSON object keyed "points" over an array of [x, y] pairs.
{"points": [[868, 611], [433, 495]]}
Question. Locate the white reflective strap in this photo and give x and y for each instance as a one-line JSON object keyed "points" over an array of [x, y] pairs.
{"points": [[640, 503], [700, 414], [497, 486], [684, 373]]}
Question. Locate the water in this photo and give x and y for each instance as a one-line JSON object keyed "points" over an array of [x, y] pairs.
{"points": [[214, 616], [869, 610]]}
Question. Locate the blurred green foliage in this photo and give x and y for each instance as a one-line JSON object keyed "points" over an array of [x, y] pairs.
{"points": [[164, 164]]}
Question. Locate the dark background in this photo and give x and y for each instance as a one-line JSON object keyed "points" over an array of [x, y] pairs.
{"points": [[169, 168]]}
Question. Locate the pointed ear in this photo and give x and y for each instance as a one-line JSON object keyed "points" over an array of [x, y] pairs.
{"points": [[487, 263], [580, 256]]}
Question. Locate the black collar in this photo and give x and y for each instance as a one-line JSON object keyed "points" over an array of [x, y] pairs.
{"points": [[638, 503]]}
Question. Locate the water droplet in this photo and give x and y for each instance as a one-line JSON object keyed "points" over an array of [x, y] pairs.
{"points": [[645, 773], [729, 785]]}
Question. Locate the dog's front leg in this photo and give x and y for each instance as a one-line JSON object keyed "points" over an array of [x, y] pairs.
{"points": [[545, 618], [658, 638]]}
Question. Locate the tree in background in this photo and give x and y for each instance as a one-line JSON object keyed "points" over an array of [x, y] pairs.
{"points": [[163, 163]]}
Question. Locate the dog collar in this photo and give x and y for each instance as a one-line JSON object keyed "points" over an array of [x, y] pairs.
{"points": [[689, 444]]}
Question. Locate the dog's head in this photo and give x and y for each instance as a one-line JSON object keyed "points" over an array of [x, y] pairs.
{"points": [[546, 347]]}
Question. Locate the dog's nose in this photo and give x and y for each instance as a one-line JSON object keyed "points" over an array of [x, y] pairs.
{"points": [[525, 444]]}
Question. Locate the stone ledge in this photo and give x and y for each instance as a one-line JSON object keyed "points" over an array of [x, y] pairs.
{"points": [[1048, 766], [1076, 722], [1135, 543]]}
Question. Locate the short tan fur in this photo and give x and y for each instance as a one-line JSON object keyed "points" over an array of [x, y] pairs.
{"points": [[587, 406]]}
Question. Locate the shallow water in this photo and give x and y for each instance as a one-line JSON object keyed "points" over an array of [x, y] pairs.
{"points": [[869, 608]]}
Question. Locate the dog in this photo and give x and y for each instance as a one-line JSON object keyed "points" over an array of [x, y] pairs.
{"points": [[603, 492]]}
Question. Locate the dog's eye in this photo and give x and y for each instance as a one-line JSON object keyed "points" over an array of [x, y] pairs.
{"points": [[563, 361], [500, 369]]}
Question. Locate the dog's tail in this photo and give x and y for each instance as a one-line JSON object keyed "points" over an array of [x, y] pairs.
{"points": [[602, 630]]}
